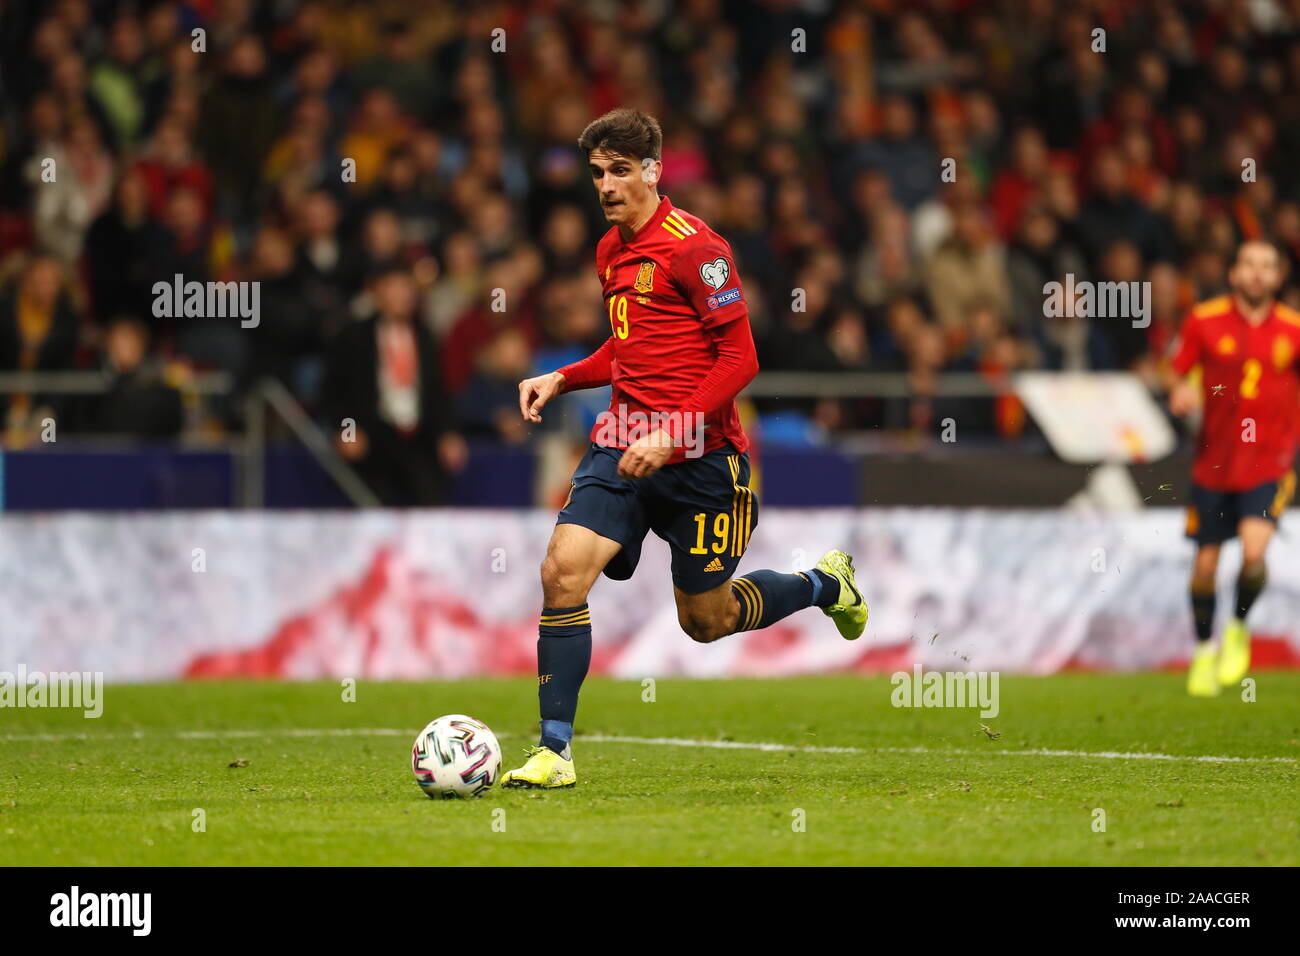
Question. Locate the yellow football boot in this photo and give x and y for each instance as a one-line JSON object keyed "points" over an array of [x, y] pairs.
{"points": [[1202, 681], [849, 612], [545, 769], [1234, 653]]}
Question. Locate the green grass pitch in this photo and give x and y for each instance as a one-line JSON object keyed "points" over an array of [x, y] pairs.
{"points": [[290, 774]]}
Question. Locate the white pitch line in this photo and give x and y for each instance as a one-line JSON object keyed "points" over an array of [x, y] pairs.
{"points": [[214, 734], [654, 742], [1034, 752]]}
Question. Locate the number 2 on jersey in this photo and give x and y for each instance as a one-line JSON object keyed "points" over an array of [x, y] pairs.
{"points": [[1251, 371]]}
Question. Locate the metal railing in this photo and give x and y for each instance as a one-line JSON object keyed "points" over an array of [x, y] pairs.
{"points": [[269, 396], [765, 385], [865, 385], [266, 395], [95, 383]]}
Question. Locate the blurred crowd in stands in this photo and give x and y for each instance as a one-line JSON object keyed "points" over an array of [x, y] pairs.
{"points": [[812, 134]]}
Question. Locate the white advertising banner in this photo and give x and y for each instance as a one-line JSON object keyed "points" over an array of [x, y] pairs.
{"points": [[454, 594], [1097, 416]]}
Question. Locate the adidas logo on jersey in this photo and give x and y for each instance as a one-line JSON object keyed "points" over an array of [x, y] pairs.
{"points": [[714, 565]]}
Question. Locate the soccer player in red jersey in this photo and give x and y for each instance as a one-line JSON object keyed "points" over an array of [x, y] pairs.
{"points": [[669, 456], [1247, 345]]}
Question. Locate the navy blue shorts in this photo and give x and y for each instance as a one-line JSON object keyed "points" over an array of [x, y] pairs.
{"points": [[1213, 516], [702, 507]]}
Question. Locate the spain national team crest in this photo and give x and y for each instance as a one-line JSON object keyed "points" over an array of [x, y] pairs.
{"points": [[645, 277], [1283, 352]]}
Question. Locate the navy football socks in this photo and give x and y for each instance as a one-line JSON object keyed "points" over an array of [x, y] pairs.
{"points": [[563, 656], [767, 596], [1203, 613], [1250, 582]]}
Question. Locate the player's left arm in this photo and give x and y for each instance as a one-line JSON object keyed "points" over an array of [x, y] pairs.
{"points": [[734, 368], [706, 275]]}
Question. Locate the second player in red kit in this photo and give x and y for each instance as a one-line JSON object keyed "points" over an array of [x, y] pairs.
{"points": [[1249, 383], [1247, 348]]}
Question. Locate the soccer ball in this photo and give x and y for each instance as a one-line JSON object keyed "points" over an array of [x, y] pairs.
{"points": [[456, 756]]}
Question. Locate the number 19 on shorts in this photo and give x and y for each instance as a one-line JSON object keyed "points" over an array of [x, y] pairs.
{"points": [[721, 532]]}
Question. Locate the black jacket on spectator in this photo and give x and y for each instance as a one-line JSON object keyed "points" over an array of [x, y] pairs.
{"points": [[1105, 220], [288, 332], [138, 405], [324, 291], [119, 259], [236, 129], [400, 469]]}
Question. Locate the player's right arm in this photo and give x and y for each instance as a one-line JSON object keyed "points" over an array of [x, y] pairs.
{"points": [[592, 372], [1183, 393]]}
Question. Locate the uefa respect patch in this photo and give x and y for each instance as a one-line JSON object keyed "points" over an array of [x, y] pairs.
{"points": [[723, 298]]}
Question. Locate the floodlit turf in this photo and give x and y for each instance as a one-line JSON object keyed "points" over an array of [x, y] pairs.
{"points": [[273, 792]]}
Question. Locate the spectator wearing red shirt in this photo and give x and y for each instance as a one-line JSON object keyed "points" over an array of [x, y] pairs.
{"points": [[169, 164]]}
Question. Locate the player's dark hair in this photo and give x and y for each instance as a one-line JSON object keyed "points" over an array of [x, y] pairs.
{"points": [[625, 131], [1283, 260]]}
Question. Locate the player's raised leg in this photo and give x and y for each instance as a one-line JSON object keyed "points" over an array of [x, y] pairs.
{"points": [[574, 559], [767, 596], [1234, 655], [761, 598], [707, 512], [1202, 680]]}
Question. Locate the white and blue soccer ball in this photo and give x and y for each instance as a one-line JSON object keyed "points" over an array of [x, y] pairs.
{"points": [[456, 756]]}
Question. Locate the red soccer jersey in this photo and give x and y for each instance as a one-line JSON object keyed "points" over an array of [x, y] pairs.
{"points": [[1249, 385], [668, 291]]}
